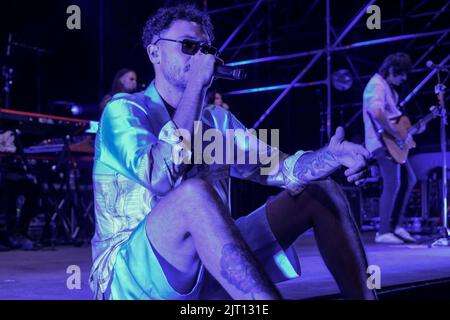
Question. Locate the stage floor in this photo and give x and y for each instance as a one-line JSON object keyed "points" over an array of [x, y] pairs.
{"points": [[42, 274]]}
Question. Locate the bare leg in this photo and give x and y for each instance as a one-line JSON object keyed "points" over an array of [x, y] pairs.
{"points": [[323, 207], [191, 224]]}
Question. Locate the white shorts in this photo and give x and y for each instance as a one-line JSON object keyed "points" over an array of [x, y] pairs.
{"points": [[137, 273]]}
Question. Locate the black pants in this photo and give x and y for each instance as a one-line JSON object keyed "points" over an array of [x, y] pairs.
{"points": [[398, 182]]}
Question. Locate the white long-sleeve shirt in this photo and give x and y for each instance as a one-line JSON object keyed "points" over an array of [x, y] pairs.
{"points": [[378, 94]]}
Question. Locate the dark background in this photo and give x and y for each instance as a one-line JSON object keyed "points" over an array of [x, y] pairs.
{"points": [[80, 64]]}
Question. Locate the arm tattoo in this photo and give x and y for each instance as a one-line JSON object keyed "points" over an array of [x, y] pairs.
{"points": [[240, 269], [315, 165]]}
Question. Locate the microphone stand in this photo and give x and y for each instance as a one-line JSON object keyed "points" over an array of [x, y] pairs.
{"points": [[444, 231], [39, 53], [7, 74]]}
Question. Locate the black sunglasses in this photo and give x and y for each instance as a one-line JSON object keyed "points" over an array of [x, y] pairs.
{"points": [[191, 47]]}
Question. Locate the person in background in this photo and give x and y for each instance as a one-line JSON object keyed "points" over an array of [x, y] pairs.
{"points": [[125, 80], [19, 197], [381, 112], [214, 97], [7, 142]]}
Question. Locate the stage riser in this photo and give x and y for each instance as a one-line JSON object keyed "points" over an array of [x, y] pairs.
{"points": [[431, 291]]}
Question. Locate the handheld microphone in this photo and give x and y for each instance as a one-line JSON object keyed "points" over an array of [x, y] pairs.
{"points": [[229, 73], [430, 64]]}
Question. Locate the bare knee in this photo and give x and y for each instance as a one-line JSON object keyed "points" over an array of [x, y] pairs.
{"points": [[184, 203], [196, 186], [329, 186], [197, 192], [198, 198], [330, 196], [324, 190]]}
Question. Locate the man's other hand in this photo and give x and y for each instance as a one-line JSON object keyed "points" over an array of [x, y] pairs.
{"points": [[351, 155]]}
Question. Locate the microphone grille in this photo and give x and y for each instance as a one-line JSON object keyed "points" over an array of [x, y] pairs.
{"points": [[239, 74]]}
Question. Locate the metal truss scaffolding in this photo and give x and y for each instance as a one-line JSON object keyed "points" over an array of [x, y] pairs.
{"points": [[328, 50]]}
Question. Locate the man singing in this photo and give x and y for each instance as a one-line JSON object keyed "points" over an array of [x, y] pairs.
{"points": [[163, 227]]}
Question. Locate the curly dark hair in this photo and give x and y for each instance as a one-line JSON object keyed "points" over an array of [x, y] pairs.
{"points": [[400, 61], [166, 15]]}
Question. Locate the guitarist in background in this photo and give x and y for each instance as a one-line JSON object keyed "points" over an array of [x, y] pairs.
{"points": [[380, 113]]}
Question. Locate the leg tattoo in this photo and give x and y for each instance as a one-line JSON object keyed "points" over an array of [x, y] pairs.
{"points": [[238, 268]]}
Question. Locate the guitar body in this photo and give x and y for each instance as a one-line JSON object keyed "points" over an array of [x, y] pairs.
{"points": [[398, 151]]}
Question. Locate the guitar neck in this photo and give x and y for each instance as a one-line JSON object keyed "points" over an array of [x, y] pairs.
{"points": [[424, 120]]}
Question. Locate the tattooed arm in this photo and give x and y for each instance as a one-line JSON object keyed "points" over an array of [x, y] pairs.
{"points": [[315, 165], [320, 164]]}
